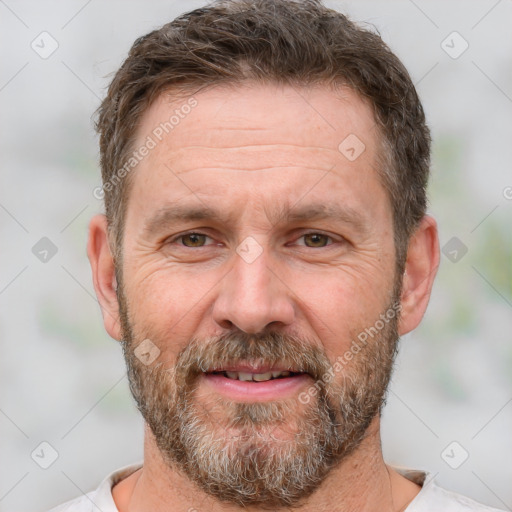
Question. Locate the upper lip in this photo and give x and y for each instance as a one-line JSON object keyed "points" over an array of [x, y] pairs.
{"points": [[248, 368]]}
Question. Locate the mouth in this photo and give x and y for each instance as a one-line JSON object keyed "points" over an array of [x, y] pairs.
{"points": [[246, 383], [256, 377]]}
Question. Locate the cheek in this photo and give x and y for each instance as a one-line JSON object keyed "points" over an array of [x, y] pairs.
{"points": [[168, 301], [338, 308]]}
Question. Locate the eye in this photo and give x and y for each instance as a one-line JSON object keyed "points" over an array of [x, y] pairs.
{"points": [[192, 239], [195, 239], [316, 240]]}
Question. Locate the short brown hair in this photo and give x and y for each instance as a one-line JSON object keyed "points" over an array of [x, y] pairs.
{"points": [[270, 41]]}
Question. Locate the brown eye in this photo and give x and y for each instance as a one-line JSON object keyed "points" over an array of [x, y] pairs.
{"points": [[193, 239], [316, 239]]}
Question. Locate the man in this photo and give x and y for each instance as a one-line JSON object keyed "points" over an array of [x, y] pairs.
{"points": [[264, 246]]}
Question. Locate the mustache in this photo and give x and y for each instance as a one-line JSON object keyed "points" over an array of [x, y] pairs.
{"points": [[270, 348]]}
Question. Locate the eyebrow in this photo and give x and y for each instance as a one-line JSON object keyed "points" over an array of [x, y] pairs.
{"points": [[337, 212], [171, 215]]}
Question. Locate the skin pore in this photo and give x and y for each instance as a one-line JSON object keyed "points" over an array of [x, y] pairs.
{"points": [[259, 160]]}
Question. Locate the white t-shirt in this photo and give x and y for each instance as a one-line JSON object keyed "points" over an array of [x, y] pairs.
{"points": [[431, 498]]}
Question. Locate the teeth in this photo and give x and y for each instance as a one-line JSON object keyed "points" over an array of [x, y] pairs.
{"points": [[262, 376], [257, 377]]}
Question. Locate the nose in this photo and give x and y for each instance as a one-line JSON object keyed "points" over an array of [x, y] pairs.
{"points": [[254, 296]]}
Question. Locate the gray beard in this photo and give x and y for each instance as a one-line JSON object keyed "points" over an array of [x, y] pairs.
{"points": [[269, 454]]}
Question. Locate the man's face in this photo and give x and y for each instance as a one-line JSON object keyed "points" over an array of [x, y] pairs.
{"points": [[291, 260]]}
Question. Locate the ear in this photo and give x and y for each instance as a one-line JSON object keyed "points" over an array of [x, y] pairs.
{"points": [[420, 270], [103, 274]]}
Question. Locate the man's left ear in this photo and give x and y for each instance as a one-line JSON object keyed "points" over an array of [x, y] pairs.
{"points": [[420, 271]]}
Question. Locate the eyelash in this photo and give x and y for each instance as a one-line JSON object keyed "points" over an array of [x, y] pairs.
{"points": [[175, 239]]}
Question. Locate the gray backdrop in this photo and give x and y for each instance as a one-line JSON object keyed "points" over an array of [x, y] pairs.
{"points": [[62, 379]]}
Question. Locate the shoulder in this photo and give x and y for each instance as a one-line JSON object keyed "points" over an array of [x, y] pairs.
{"points": [[99, 500], [84, 503], [433, 498]]}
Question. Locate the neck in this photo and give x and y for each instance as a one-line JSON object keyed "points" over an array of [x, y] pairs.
{"points": [[362, 482]]}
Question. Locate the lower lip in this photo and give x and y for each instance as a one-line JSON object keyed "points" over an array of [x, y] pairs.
{"points": [[243, 391]]}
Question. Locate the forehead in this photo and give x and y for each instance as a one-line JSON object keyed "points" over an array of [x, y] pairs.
{"points": [[257, 114], [257, 143]]}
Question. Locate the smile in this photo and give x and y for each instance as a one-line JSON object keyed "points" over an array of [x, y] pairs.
{"points": [[243, 383], [256, 377]]}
